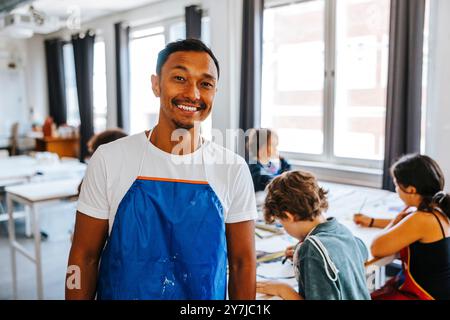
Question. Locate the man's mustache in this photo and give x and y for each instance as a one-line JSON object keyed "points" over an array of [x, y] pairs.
{"points": [[200, 105]]}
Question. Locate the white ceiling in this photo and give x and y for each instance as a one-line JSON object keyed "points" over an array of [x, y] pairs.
{"points": [[89, 9]]}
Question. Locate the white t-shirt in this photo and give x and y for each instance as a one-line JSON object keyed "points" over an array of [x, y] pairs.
{"points": [[115, 166]]}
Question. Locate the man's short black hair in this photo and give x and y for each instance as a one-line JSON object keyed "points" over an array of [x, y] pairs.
{"points": [[184, 45]]}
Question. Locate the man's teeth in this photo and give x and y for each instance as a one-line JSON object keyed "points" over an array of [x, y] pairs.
{"points": [[186, 108]]}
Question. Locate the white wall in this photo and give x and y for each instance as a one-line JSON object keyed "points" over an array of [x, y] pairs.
{"points": [[438, 115], [23, 90], [36, 78], [13, 104]]}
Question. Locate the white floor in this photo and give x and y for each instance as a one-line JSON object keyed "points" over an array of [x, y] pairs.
{"points": [[57, 221]]}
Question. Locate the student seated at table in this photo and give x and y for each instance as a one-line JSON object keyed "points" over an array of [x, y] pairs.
{"points": [[263, 158], [420, 233], [104, 137], [329, 262]]}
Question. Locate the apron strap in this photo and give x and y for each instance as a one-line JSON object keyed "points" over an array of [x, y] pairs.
{"points": [[327, 262], [439, 221], [144, 153]]}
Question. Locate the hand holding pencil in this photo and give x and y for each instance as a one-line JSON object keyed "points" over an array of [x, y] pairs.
{"points": [[289, 253]]}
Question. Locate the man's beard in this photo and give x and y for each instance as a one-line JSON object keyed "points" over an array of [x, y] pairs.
{"points": [[186, 126]]}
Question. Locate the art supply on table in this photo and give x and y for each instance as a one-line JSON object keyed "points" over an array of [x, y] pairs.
{"points": [[270, 257], [269, 228]]}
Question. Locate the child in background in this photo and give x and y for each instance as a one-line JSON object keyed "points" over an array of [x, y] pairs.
{"points": [[264, 160], [329, 263], [421, 236], [103, 137]]}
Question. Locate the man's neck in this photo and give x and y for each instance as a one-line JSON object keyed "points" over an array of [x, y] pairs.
{"points": [[185, 143]]}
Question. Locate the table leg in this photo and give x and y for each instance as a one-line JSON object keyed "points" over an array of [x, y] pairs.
{"points": [[12, 239], [37, 250], [27, 221]]}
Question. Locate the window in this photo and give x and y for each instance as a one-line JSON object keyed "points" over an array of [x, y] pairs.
{"points": [[293, 75], [100, 102], [144, 106], [362, 53], [177, 30], [324, 79], [73, 114], [145, 44]]}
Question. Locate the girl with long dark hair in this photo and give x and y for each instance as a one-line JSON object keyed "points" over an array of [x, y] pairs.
{"points": [[421, 235]]}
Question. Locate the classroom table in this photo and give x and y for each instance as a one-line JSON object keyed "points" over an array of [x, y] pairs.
{"points": [[22, 169], [17, 167], [26, 167], [344, 201], [32, 195]]}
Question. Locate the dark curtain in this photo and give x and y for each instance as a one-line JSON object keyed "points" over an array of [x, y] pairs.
{"points": [[83, 50], [251, 66], [404, 93], [122, 38], [56, 80], [193, 17]]}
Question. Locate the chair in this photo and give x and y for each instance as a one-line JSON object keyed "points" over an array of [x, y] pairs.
{"points": [[14, 140], [15, 147]]}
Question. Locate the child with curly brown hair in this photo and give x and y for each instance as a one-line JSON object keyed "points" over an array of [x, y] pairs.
{"points": [[329, 263]]}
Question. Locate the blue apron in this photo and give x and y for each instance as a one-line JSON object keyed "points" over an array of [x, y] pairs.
{"points": [[167, 242]]}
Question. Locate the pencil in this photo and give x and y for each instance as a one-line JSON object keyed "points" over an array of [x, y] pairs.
{"points": [[270, 257]]}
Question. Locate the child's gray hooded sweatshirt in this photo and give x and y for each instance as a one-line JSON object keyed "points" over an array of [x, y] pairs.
{"points": [[345, 251]]}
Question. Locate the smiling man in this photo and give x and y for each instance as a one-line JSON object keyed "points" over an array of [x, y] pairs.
{"points": [[171, 217]]}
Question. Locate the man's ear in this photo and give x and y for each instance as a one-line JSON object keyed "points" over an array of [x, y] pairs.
{"points": [[289, 216], [155, 86]]}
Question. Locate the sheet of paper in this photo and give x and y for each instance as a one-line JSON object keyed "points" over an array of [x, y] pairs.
{"points": [[275, 270], [263, 233]]}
